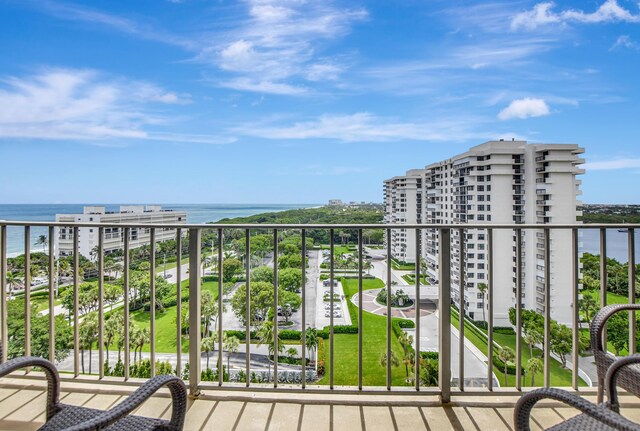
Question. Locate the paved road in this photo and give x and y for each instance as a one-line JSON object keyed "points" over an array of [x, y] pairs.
{"points": [[258, 359]]}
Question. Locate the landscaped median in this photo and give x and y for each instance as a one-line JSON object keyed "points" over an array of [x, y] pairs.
{"points": [[374, 336], [506, 337]]}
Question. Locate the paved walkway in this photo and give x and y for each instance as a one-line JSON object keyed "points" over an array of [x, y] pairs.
{"points": [[370, 304]]}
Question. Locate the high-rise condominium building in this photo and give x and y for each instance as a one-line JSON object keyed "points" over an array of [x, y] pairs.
{"points": [[501, 183], [114, 236], [403, 204]]}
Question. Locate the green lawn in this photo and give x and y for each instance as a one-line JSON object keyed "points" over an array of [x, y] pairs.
{"points": [[42, 302], [374, 346], [411, 279], [612, 298], [402, 266], [337, 249], [559, 376]]}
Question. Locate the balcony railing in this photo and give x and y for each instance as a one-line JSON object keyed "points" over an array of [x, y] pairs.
{"points": [[189, 240]]}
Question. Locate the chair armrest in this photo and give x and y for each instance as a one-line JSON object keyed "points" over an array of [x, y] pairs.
{"points": [[524, 405], [139, 396], [612, 377], [599, 323], [53, 379]]}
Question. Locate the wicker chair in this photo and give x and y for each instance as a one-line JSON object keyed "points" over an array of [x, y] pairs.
{"points": [[72, 418], [594, 417], [629, 379]]}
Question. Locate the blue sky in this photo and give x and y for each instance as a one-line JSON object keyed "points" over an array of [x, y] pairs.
{"points": [[280, 101]]}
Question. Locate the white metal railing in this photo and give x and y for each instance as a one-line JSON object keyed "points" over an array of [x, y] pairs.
{"points": [[193, 234]]}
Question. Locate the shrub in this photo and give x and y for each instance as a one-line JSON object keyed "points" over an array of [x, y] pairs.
{"points": [[511, 368], [506, 330], [430, 355], [404, 323], [322, 353]]}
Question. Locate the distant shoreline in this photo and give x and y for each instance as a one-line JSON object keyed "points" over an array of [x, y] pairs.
{"points": [[196, 213]]}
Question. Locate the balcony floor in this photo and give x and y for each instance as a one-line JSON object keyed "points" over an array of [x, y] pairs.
{"points": [[22, 408]]}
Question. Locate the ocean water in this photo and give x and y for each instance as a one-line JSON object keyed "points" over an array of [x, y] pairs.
{"points": [[203, 213], [196, 213]]}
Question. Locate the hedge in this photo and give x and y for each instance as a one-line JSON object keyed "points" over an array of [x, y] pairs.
{"points": [[430, 355], [285, 334], [511, 368]]}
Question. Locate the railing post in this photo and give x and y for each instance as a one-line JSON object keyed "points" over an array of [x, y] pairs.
{"points": [[444, 308], [53, 275], [179, 302], [194, 311], [547, 307], [490, 310], [220, 290], [303, 283], [417, 306], [518, 233], [632, 290], [3, 294], [461, 287], [125, 284], [101, 302], [27, 291], [76, 318], [389, 283], [575, 311], [152, 301]]}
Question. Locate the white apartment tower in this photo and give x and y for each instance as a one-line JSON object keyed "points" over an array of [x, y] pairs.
{"points": [[114, 236], [403, 204], [502, 182]]}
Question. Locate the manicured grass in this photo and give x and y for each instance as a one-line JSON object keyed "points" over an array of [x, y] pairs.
{"points": [[612, 298], [411, 279], [374, 346], [402, 266], [42, 302], [337, 249], [559, 376]]}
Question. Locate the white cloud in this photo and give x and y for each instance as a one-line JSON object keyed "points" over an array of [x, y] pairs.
{"points": [[542, 14], [366, 127], [269, 87], [278, 43], [524, 108], [615, 164], [625, 41], [73, 12], [82, 105]]}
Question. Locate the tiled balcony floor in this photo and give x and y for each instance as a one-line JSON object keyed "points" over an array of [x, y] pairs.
{"points": [[22, 403]]}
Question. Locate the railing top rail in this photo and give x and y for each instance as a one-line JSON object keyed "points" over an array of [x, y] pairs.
{"points": [[327, 226]]}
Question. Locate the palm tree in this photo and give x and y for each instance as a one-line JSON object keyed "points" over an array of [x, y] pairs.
{"points": [[231, 345], [140, 337], [408, 360], [533, 366], [506, 354], [13, 279], [482, 288], [88, 331], [531, 338], [43, 240], [111, 328], [311, 340], [208, 345], [265, 336], [394, 360]]}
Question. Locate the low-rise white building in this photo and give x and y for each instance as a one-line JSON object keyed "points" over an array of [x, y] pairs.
{"points": [[114, 236]]}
